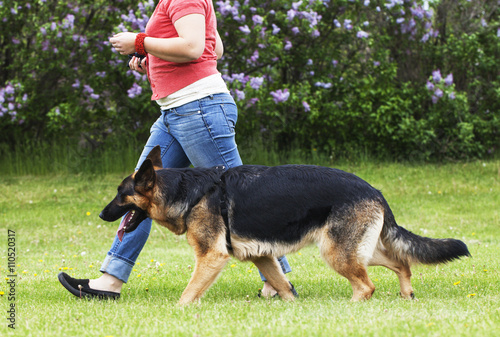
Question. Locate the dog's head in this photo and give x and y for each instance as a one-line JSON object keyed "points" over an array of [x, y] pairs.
{"points": [[134, 195]]}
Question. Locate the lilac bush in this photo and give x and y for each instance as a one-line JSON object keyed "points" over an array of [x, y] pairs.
{"points": [[398, 78]]}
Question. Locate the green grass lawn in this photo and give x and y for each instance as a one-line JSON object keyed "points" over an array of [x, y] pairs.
{"points": [[57, 228]]}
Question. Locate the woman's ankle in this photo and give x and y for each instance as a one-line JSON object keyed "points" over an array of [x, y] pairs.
{"points": [[106, 282]]}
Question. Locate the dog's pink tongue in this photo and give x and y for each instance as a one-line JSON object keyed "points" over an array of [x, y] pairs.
{"points": [[121, 227]]}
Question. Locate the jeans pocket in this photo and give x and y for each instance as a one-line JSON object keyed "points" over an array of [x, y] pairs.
{"points": [[230, 112], [186, 112]]}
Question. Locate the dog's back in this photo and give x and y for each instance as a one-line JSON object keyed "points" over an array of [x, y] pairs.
{"points": [[283, 203]]}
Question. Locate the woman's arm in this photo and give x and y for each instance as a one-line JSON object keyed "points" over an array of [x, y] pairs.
{"points": [[189, 46], [219, 46]]}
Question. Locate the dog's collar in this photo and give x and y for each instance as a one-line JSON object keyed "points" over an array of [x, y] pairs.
{"points": [[223, 206]]}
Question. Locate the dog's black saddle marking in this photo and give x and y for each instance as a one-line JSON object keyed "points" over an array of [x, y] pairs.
{"points": [[223, 207]]}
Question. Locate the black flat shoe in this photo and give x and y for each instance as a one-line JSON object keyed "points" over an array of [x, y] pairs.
{"points": [[80, 288]]}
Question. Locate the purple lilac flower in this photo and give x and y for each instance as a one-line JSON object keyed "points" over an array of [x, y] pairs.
{"points": [[295, 30], [434, 99], [252, 102], [240, 95], [83, 41], [418, 12], [291, 14], [88, 89], [429, 85], [276, 29], [367, 3], [347, 24], [315, 33], [256, 82], [438, 93], [9, 89], [134, 91], [255, 56], [257, 19], [226, 9], [376, 63], [239, 77], [361, 34], [448, 80], [436, 76], [69, 21], [245, 29], [337, 23], [288, 45], [452, 95], [306, 106], [335, 62], [280, 96], [296, 5], [76, 84], [400, 20], [312, 17]]}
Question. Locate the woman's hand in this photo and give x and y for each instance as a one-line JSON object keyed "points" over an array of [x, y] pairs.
{"points": [[124, 43], [138, 65]]}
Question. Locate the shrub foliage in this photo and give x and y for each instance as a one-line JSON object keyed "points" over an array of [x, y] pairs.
{"points": [[395, 78]]}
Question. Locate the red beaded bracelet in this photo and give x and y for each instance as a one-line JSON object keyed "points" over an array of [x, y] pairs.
{"points": [[139, 43]]}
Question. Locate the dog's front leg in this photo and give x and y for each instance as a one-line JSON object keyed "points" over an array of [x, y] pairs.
{"points": [[269, 266], [208, 266]]}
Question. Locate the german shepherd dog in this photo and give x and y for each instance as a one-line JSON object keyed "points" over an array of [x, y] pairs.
{"points": [[257, 213]]}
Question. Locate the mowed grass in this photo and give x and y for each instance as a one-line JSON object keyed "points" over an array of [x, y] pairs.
{"points": [[57, 228]]}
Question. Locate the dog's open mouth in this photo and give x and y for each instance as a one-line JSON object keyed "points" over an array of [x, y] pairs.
{"points": [[130, 222]]}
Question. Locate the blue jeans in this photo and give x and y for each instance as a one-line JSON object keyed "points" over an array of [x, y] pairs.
{"points": [[200, 133]]}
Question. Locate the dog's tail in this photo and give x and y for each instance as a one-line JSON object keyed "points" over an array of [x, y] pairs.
{"points": [[410, 248]]}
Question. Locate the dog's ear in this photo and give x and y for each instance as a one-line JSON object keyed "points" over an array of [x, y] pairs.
{"points": [[146, 176], [155, 157]]}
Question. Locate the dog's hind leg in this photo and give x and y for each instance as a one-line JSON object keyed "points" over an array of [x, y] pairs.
{"points": [[355, 272], [348, 264], [271, 270], [206, 271], [402, 270]]}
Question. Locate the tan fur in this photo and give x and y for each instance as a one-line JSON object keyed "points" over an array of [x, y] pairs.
{"points": [[210, 251], [244, 249]]}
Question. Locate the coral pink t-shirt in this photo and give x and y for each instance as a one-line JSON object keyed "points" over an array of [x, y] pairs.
{"points": [[167, 77]]}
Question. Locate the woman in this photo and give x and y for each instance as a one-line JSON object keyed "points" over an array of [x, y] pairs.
{"points": [[197, 121]]}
